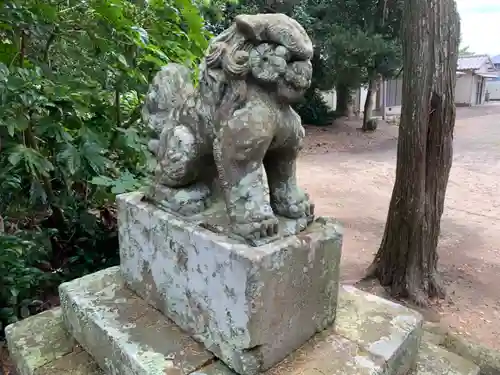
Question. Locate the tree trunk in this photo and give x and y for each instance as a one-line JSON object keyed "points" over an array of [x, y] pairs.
{"points": [[407, 258], [368, 108], [344, 99]]}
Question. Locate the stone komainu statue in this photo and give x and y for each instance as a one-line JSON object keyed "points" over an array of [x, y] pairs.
{"points": [[236, 126]]}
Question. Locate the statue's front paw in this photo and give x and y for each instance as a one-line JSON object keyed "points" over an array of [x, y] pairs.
{"points": [[257, 229], [293, 204]]}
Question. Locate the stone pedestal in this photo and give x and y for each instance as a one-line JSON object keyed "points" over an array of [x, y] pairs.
{"points": [[250, 306]]}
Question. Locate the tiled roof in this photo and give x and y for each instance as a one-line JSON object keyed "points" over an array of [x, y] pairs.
{"points": [[473, 62]]}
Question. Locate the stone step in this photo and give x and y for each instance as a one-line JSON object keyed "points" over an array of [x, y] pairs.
{"points": [[40, 345], [121, 330], [115, 318], [385, 329], [326, 353], [435, 360], [371, 335], [123, 333], [314, 359]]}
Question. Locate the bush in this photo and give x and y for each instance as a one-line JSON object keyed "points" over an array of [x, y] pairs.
{"points": [[72, 79], [314, 110], [20, 279]]}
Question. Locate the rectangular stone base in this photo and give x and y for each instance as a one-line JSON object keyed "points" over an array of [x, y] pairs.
{"points": [[250, 306]]}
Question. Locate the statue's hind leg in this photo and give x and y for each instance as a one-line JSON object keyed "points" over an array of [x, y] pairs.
{"points": [[179, 179], [177, 157]]}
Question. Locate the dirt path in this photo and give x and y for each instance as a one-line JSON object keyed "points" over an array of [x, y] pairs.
{"points": [[350, 176]]}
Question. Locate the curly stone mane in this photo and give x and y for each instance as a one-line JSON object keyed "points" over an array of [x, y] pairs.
{"points": [[230, 52]]}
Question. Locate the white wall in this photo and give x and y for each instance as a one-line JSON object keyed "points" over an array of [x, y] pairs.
{"points": [[473, 90], [493, 87], [331, 98], [464, 88], [362, 95], [488, 67], [393, 111]]}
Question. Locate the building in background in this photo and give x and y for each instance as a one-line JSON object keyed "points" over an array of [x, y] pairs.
{"points": [[496, 62], [473, 72], [493, 84], [476, 75]]}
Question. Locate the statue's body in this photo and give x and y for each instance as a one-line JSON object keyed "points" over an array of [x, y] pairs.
{"points": [[239, 119]]}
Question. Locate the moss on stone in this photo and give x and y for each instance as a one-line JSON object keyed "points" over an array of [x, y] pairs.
{"points": [[38, 340], [434, 360], [40, 345], [486, 358], [383, 328]]}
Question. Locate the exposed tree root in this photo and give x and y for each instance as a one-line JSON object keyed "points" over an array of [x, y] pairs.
{"points": [[415, 288], [418, 297], [436, 286], [371, 272]]}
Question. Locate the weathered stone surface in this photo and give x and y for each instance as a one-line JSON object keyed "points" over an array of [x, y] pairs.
{"points": [[250, 306], [328, 353], [236, 126], [38, 340], [486, 358], [77, 363], [433, 360], [122, 333], [434, 333], [40, 345], [383, 328], [325, 354]]}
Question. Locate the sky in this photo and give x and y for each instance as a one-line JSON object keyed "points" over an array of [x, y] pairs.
{"points": [[480, 25]]}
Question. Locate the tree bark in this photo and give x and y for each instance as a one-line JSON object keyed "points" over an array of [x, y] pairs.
{"points": [[368, 106], [407, 258], [344, 99]]}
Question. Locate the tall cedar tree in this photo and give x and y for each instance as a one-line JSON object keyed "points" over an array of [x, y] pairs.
{"points": [[407, 258]]}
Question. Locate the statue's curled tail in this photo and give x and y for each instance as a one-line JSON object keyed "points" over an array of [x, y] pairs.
{"points": [[170, 89]]}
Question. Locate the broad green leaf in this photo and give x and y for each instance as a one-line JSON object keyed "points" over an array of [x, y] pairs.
{"points": [[71, 157], [16, 157], [123, 61], [102, 181]]}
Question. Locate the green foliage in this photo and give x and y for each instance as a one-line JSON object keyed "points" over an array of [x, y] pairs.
{"points": [[72, 79], [465, 51], [20, 280], [314, 110], [359, 38], [355, 40]]}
